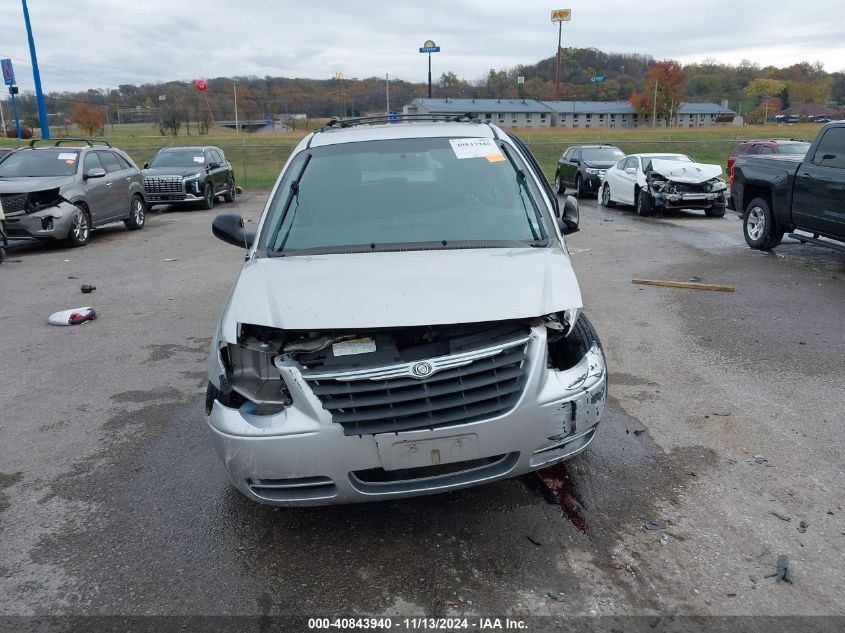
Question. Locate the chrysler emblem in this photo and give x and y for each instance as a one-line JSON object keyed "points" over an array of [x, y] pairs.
{"points": [[421, 370]]}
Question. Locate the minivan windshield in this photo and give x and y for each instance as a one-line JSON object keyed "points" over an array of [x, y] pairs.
{"points": [[418, 193], [41, 163], [601, 154], [178, 158]]}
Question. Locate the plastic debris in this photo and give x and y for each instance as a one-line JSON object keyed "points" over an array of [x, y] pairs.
{"points": [[72, 277], [664, 540], [87, 288], [784, 573], [556, 595], [695, 278], [802, 526], [783, 517], [171, 259], [72, 317], [760, 459], [639, 432], [651, 526]]}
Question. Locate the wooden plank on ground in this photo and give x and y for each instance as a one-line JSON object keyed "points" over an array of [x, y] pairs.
{"points": [[685, 284]]}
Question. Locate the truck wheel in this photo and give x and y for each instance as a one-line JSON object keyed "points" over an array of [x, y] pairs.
{"points": [[559, 185], [759, 226], [644, 203], [605, 196]]}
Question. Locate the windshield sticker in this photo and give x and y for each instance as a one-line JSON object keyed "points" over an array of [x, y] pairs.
{"points": [[199, 160], [71, 156], [355, 346], [476, 148]]}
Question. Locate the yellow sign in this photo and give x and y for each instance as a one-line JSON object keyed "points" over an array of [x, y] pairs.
{"points": [[429, 44], [561, 15]]}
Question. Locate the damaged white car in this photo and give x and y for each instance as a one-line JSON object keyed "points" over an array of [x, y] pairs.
{"points": [[407, 321], [653, 183]]}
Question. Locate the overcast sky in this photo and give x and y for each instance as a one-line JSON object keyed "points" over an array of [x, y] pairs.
{"points": [[103, 43]]}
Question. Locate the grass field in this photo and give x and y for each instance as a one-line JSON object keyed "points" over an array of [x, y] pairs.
{"points": [[258, 157]]}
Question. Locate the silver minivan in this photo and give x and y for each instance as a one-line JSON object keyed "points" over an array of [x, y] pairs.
{"points": [[406, 322]]}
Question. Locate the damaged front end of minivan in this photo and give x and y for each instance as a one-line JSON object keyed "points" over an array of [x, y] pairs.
{"points": [[335, 416]]}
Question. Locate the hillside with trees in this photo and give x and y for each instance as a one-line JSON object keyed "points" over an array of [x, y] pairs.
{"points": [[178, 107]]}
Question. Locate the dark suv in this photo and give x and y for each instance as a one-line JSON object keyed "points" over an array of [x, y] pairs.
{"points": [[179, 175], [582, 167]]}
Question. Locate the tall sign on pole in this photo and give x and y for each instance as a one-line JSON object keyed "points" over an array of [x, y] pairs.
{"points": [[9, 79], [42, 111], [429, 47], [560, 16]]}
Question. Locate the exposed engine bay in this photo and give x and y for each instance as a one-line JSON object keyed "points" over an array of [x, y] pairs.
{"points": [[687, 185], [26, 203], [251, 374]]}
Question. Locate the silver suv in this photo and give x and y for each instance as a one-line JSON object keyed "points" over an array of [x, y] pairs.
{"points": [[407, 321], [62, 192]]}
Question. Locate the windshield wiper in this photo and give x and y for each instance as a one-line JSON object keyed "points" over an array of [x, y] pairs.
{"points": [[539, 240], [293, 192]]}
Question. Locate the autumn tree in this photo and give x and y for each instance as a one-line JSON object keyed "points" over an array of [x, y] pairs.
{"points": [[666, 81], [89, 117]]}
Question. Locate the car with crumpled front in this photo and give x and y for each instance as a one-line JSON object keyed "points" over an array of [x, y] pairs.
{"points": [[63, 192], [407, 321]]}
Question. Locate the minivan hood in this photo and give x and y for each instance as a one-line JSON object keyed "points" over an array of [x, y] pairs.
{"points": [[389, 289], [690, 173], [27, 185]]}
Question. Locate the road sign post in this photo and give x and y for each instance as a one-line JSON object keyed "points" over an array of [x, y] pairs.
{"points": [[13, 90], [560, 16], [596, 80], [429, 47], [36, 76]]}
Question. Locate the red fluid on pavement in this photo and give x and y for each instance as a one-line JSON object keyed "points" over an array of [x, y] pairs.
{"points": [[558, 481]]}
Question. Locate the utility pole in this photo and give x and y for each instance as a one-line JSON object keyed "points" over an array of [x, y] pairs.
{"points": [[766, 116], [237, 125], [654, 107], [387, 94], [2, 119], [42, 110]]}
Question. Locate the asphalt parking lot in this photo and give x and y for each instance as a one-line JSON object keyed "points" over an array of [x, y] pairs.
{"points": [[726, 410]]}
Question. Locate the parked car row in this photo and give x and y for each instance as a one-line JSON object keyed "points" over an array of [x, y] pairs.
{"points": [[649, 182], [64, 191]]}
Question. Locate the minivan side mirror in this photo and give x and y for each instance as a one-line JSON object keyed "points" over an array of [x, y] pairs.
{"points": [[571, 217], [95, 172], [229, 227]]}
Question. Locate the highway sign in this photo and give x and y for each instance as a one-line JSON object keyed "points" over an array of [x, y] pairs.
{"points": [[430, 47], [597, 79], [561, 15]]}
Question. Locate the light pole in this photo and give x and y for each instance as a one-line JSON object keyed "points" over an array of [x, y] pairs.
{"points": [[654, 107], [42, 111], [560, 16]]}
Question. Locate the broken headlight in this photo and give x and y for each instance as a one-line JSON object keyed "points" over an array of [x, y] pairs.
{"points": [[560, 324]]}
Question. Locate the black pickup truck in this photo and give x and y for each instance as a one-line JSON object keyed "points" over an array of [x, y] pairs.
{"points": [[782, 193]]}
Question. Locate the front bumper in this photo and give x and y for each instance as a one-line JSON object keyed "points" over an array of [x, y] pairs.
{"points": [[51, 223], [689, 200], [300, 457], [591, 183]]}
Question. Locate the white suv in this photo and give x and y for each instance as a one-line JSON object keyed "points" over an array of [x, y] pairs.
{"points": [[406, 321]]}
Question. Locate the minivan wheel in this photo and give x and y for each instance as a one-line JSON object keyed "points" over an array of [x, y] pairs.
{"points": [[137, 214], [208, 197], [80, 228]]}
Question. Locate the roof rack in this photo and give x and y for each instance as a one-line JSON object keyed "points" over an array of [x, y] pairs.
{"points": [[89, 141], [338, 122]]}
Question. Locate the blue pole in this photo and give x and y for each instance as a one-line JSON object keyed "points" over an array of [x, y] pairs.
{"points": [[42, 111], [15, 110]]}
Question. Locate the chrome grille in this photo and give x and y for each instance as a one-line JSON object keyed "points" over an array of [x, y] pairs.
{"points": [[13, 203], [478, 388], [163, 184]]}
